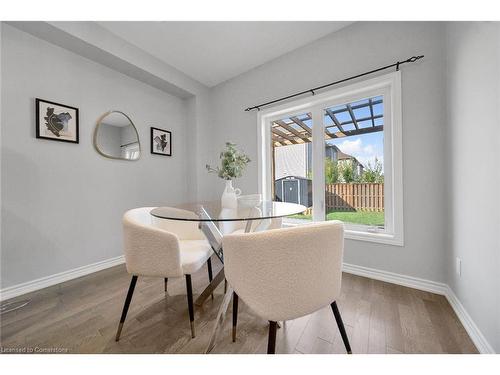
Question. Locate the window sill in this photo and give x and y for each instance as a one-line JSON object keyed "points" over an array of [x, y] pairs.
{"points": [[384, 238], [359, 235]]}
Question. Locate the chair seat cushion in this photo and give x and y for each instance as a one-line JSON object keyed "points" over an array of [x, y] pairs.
{"points": [[194, 253]]}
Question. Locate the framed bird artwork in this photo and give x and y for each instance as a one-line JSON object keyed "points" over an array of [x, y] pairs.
{"points": [[161, 142], [57, 122]]}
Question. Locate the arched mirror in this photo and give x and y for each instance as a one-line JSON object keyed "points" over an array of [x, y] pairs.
{"points": [[116, 137]]}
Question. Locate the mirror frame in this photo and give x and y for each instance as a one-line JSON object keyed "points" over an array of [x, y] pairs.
{"points": [[99, 120]]}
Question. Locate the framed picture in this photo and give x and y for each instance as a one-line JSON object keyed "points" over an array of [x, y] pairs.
{"points": [[161, 142], [57, 122]]}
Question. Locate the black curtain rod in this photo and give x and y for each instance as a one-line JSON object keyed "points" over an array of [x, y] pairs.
{"points": [[312, 91]]}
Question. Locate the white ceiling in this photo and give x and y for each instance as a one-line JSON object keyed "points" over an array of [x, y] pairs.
{"points": [[213, 52]]}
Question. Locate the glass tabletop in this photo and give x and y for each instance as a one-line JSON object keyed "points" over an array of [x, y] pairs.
{"points": [[213, 211]]}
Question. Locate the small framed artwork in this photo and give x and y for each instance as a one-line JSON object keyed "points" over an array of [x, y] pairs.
{"points": [[57, 122], [161, 142]]}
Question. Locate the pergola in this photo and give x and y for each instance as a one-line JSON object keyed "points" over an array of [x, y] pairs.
{"points": [[340, 121], [356, 118]]}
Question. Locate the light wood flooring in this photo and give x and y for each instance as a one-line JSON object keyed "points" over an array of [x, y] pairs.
{"points": [[81, 316]]}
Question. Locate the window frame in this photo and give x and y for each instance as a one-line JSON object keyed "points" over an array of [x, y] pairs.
{"points": [[388, 85]]}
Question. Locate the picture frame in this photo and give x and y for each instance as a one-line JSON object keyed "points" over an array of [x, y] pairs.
{"points": [[56, 121], [161, 142]]}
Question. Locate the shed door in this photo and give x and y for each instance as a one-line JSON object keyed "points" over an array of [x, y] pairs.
{"points": [[291, 191]]}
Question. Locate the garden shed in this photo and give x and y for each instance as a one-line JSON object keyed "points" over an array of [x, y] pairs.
{"points": [[294, 189]]}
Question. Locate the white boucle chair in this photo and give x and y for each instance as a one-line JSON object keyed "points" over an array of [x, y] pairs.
{"points": [[284, 274], [163, 248]]}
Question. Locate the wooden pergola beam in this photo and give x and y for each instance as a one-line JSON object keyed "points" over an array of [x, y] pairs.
{"points": [[302, 125], [292, 130], [285, 136], [335, 120], [359, 120], [295, 136], [331, 135], [309, 130], [357, 106], [371, 111], [351, 113], [279, 140], [371, 129]]}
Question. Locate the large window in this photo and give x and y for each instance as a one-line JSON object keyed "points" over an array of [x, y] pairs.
{"points": [[339, 154]]}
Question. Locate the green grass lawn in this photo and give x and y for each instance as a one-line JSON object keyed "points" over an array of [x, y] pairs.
{"points": [[355, 217]]}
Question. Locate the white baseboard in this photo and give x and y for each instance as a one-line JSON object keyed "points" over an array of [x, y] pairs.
{"points": [[396, 278], [412, 282], [472, 329], [44, 282]]}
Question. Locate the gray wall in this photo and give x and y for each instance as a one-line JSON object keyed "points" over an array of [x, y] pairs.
{"points": [[473, 129], [62, 203], [357, 48]]}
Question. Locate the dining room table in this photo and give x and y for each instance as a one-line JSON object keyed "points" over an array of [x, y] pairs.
{"points": [[215, 221]]}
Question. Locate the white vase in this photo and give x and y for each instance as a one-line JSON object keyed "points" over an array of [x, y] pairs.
{"points": [[230, 195], [226, 225]]}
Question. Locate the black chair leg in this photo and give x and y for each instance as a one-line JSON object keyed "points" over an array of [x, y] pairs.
{"points": [[271, 341], [128, 299], [210, 274], [340, 324], [235, 314], [189, 289], [166, 283]]}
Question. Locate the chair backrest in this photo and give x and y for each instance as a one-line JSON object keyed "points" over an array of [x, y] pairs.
{"points": [[286, 273], [151, 245]]}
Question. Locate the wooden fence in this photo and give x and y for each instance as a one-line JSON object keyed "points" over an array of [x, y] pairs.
{"points": [[353, 197]]}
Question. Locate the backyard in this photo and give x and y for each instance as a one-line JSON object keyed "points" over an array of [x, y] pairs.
{"points": [[354, 217]]}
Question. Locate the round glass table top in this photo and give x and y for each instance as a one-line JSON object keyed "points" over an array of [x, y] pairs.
{"points": [[213, 211]]}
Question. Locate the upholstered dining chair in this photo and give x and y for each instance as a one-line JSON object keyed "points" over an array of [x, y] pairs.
{"points": [[284, 274], [163, 248]]}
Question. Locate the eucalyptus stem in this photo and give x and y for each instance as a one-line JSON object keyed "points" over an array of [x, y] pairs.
{"points": [[233, 163]]}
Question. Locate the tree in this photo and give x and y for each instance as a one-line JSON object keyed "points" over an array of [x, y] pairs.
{"points": [[331, 171], [347, 171], [373, 172]]}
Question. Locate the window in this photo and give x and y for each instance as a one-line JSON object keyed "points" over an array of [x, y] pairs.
{"points": [[130, 151], [291, 162], [339, 154]]}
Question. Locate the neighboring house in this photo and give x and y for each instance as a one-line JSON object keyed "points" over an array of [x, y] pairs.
{"points": [[296, 160], [335, 154]]}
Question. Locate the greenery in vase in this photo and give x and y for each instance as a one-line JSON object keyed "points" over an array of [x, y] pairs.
{"points": [[233, 162]]}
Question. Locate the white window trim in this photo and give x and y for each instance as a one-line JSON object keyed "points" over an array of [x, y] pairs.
{"points": [[390, 84]]}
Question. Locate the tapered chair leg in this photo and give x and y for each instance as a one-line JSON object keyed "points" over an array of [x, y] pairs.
{"points": [[210, 274], [166, 284], [235, 314], [340, 324], [128, 299], [189, 289], [271, 341]]}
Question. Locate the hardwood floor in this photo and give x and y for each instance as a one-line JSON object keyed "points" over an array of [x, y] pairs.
{"points": [[81, 316]]}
